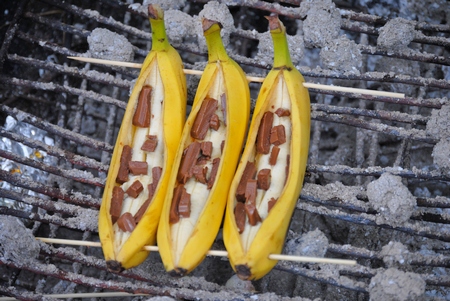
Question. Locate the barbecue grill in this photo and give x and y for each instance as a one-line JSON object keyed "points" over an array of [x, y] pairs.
{"points": [[59, 119]]}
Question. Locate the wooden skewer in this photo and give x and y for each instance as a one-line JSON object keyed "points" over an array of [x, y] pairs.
{"points": [[210, 252], [250, 78]]}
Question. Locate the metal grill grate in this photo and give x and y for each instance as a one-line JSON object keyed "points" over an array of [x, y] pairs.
{"points": [[355, 139]]}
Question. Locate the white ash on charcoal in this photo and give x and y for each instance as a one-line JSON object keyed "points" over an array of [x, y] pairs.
{"points": [[394, 254], [108, 45], [322, 23], [239, 285], [180, 27], [395, 285], [313, 244], [396, 34], [164, 298], [439, 123], [342, 54], [441, 154], [17, 243], [391, 199], [165, 4]]}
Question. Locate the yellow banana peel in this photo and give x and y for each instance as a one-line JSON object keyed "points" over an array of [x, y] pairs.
{"points": [[143, 155], [206, 160], [269, 178]]}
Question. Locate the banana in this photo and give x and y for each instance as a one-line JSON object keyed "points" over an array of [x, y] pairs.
{"points": [[269, 178], [212, 140], [143, 155]]}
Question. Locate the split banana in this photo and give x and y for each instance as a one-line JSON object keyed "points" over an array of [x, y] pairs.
{"points": [[270, 174], [143, 155], [209, 152]]}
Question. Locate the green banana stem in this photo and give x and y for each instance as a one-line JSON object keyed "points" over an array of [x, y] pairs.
{"points": [[282, 58], [216, 50], [160, 41]]}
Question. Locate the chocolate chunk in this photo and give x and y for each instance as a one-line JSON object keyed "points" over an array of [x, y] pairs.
{"points": [[271, 203], [201, 123], [150, 144], [274, 155], [126, 222], [138, 167], [174, 216], [201, 161], [213, 174], [156, 175], [223, 107], [250, 191], [138, 216], [214, 122], [199, 173], [188, 160], [206, 148], [222, 144], [277, 135], [125, 157], [135, 189], [249, 173], [250, 203], [141, 117], [263, 137], [116, 203], [239, 215], [288, 162], [184, 205], [264, 178], [282, 112]]}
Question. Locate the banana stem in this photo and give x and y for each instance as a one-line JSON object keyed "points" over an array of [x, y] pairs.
{"points": [[160, 41], [282, 58], [216, 50]]}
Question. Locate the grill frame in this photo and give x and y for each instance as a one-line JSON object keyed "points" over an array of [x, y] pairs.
{"points": [[71, 86]]}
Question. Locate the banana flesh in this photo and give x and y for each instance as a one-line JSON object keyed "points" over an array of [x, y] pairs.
{"points": [[270, 174], [206, 160], [143, 155]]}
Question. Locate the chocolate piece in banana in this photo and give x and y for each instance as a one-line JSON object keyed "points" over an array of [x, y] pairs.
{"points": [[274, 155], [277, 135], [249, 173], [116, 203], [203, 119], [126, 222], [122, 174], [150, 143], [263, 138], [141, 117], [138, 167], [135, 189], [189, 159], [264, 177], [239, 213], [282, 112]]}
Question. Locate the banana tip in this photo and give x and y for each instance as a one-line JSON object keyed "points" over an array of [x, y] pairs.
{"points": [[114, 266], [243, 271], [274, 23], [178, 272], [155, 12], [207, 24]]}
